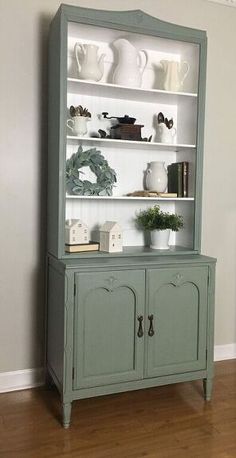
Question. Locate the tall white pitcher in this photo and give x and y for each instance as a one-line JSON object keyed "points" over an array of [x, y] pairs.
{"points": [[131, 64]]}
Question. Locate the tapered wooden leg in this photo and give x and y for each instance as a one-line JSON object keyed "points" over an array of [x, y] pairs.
{"points": [[66, 414], [207, 388]]}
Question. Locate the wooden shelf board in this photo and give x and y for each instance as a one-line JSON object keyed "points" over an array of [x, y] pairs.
{"points": [[131, 144]]}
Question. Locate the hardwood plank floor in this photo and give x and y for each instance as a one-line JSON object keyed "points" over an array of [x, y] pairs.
{"points": [[163, 422]]}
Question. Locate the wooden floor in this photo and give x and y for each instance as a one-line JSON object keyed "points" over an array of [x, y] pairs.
{"points": [[170, 421]]}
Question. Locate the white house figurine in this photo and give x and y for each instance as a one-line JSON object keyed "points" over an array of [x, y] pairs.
{"points": [[76, 232], [111, 239]]}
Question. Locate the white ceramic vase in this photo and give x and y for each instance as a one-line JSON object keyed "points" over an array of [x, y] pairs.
{"points": [[160, 239], [156, 177]]}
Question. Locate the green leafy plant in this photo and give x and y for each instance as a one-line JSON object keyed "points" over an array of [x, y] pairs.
{"points": [[79, 111], [153, 218]]}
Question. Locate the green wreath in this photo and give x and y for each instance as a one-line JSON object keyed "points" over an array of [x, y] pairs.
{"points": [[106, 177]]}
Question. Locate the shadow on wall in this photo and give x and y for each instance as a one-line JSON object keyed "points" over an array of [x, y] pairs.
{"points": [[38, 316]]}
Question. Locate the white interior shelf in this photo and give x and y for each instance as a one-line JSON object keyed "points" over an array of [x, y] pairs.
{"points": [[131, 198], [114, 90], [131, 144]]}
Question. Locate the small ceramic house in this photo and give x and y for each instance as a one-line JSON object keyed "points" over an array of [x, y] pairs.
{"points": [[111, 237], [76, 232]]}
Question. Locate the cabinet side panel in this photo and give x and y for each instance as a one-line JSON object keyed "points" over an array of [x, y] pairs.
{"points": [[200, 144], [53, 137], [55, 322]]}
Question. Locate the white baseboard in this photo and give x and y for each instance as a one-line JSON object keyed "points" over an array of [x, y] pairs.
{"points": [[222, 352], [21, 380], [31, 378]]}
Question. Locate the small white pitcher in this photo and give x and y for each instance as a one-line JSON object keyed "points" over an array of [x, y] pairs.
{"points": [[164, 134], [79, 125], [175, 74]]}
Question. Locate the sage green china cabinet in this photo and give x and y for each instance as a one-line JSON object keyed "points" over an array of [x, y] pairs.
{"points": [[141, 317]]}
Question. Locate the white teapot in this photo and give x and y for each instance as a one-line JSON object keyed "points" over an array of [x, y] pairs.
{"points": [[174, 74], [90, 66]]}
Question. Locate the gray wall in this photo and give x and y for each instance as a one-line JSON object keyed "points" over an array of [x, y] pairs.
{"points": [[23, 123]]}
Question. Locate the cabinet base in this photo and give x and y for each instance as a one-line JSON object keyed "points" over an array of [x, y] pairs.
{"points": [[80, 394]]}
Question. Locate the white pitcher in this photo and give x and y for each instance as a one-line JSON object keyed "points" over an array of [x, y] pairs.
{"points": [[174, 74], [156, 178], [90, 66], [79, 125], [131, 64], [165, 135]]}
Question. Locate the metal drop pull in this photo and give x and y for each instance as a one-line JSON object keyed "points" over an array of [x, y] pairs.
{"points": [[140, 328], [151, 328]]}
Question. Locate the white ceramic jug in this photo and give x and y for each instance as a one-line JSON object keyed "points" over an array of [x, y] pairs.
{"points": [[156, 178], [165, 135], [79, 125], [90, 66], [131, 64], [174, 74]]}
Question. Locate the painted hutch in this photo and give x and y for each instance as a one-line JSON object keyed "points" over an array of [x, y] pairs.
{"points": [[141, 317]]}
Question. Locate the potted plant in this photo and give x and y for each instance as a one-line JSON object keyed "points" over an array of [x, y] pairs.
{"points": [[159, 224], [79, 118]]}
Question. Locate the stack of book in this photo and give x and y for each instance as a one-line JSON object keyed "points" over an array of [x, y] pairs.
{"points": [[91, 246], [178, 178]]}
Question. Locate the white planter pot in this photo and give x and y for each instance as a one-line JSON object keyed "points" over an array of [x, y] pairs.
{"points": [[160, 239]]}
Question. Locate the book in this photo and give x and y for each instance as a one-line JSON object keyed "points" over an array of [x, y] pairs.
{"points": [[175, 183], [178, 178], [185, 178], [91, 246], [167, 194], [151, 194]]}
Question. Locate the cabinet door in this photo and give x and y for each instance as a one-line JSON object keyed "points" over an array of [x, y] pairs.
{"points": [[107, 347], [177, 299]]}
